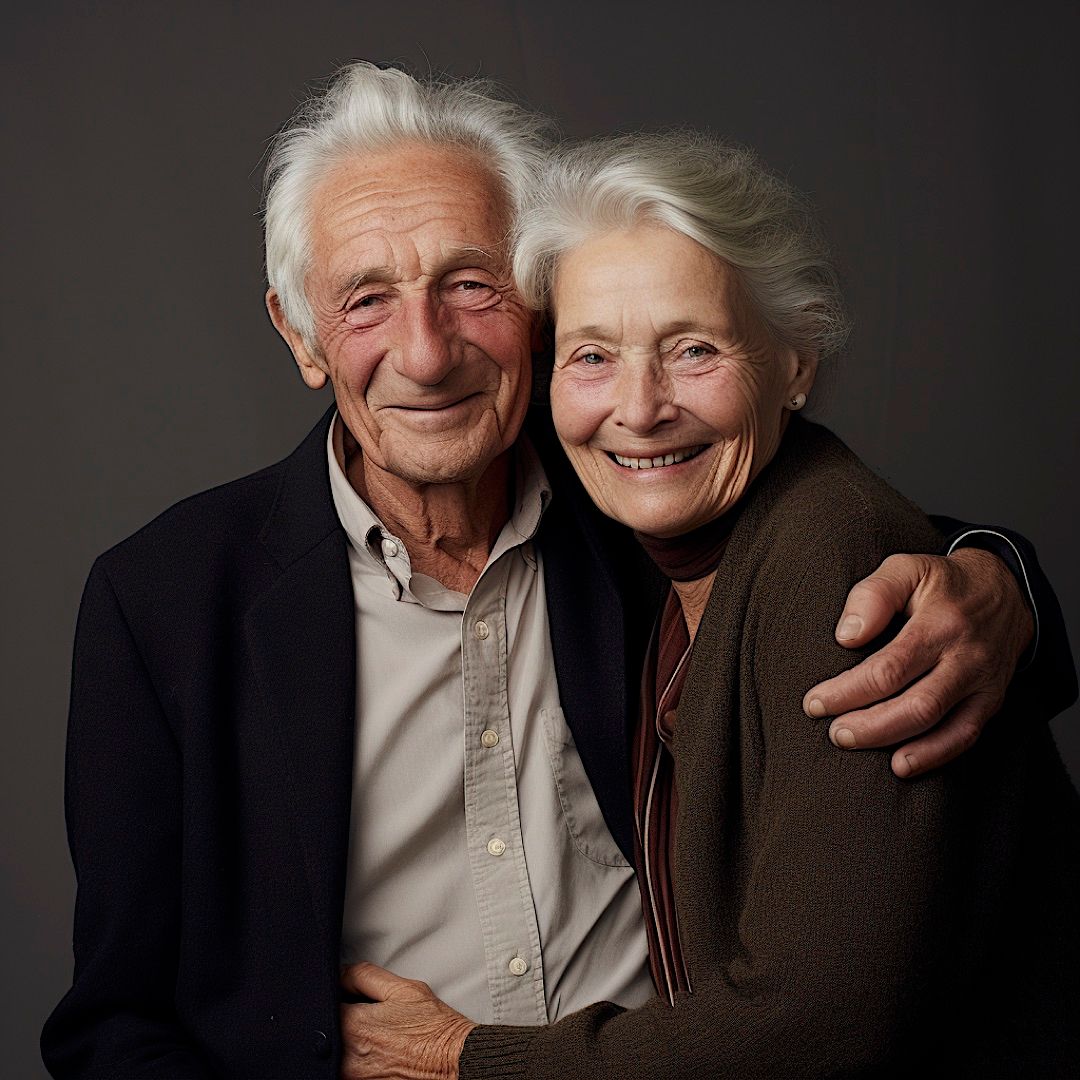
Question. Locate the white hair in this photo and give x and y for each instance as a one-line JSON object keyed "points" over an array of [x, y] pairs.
{"points": [[366, 109], [719, 195]]}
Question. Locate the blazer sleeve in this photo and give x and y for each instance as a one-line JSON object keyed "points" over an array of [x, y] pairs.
{"points": [[835, 891], [123, 807]]}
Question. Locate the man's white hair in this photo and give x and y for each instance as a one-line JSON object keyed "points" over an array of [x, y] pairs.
{"points": [[367, 109], [719, 195]]}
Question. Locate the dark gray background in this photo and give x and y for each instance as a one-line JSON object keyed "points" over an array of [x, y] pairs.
{"points": [[139, 365]]}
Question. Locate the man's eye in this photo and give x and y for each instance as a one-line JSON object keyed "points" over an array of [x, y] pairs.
{"points": [[472, 293], [365, 302], [695, 352], [591, 359], [366, 310]]}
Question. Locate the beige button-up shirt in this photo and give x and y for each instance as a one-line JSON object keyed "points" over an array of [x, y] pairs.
{"points": [[479, 860]]}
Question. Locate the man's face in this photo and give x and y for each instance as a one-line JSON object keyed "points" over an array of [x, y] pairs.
{"points": [[418, 325]]}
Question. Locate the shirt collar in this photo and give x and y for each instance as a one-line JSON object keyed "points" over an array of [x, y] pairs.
{"points": [[374, 544]]}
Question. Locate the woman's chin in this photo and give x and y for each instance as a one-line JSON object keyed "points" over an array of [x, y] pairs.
{"points": [[659, 522]]}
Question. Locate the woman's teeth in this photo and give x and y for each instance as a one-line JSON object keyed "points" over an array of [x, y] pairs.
{"points": [[658, 462]]}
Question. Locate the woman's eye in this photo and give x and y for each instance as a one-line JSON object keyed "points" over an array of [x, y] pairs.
{"points": [[591, 359], [695, 352]]}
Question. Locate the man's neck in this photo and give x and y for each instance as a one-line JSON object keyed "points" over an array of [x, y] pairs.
{"points": [[449, 530]]}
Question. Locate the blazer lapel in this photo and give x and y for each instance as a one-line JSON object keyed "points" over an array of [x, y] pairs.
{"points": [[594, 640], [301, 636]]}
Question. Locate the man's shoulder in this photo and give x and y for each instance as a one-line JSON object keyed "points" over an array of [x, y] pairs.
{"points": [[221, 513], [225, 526]]}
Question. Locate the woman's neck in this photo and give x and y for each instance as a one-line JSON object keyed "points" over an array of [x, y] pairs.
{"points": [[693, 596]]}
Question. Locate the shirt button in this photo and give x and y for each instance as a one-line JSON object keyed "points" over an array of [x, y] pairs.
{"points": [[518, 966], [489, 738], [389, 549], [496, 846], [482, 630]]}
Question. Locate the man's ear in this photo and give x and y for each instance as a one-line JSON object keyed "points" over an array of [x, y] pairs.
{"points": [[312, 367]]}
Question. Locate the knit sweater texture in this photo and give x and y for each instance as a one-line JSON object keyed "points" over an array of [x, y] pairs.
{"points": [[836, 921]]}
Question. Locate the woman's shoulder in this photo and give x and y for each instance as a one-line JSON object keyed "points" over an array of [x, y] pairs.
{"points": [[818, 495]]}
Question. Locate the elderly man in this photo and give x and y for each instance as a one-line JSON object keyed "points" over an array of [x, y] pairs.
{"points": [[371, 703]]}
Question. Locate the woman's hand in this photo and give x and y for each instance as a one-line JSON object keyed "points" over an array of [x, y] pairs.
{"points": [[407, 1033], [968, 624]]}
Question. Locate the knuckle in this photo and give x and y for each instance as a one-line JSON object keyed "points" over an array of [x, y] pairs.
{"points": [[885, 673], [897, 561], [966, 734], [925, 709], [871, 590], [951, 623]]}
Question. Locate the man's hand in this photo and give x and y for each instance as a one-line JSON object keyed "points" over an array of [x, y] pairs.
{"points": [[407, 1033], [967, 626]]}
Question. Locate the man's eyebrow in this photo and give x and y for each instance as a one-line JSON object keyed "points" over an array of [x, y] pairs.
{"points": [[460, 254], [351, 282], [454, 257]]}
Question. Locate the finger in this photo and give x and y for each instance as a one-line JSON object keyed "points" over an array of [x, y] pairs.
{"points": [[872, 602], [910, 654], [370, 981], [952, 738], [923, 705]]}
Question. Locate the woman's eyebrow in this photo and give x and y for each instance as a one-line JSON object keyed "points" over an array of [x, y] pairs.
{"points": [[591, 330]]}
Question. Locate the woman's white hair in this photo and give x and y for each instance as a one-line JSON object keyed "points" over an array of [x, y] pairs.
{"points": [[719, 195], [366, 109]]}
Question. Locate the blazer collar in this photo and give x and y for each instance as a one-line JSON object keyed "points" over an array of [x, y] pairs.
{"points": [[301, 640], [303, 514]]}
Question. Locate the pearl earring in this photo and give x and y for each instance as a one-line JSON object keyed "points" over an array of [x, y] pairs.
{"points": [[797, 402]]}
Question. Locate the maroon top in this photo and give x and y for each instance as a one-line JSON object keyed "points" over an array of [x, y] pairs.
{"points": [[656, 798]]}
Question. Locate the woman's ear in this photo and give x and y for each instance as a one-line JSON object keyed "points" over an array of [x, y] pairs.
{"points": [[806, 365]]}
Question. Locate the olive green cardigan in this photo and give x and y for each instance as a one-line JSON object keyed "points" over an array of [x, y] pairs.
{"points": [[836, 921]]}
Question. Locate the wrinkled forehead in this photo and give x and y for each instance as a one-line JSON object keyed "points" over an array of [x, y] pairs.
{"points": [[431, 201]]}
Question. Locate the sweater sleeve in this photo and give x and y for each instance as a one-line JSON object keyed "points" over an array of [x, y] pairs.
{"points": [[815, 889]]}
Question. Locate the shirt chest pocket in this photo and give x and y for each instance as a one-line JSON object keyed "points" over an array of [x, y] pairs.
{"points": [[581, 812]]}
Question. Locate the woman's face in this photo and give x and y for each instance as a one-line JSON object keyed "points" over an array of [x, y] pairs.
{"points": [[668, 392]]}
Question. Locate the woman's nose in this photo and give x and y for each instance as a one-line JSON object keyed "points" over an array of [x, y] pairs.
{"points": [[645, 398]]}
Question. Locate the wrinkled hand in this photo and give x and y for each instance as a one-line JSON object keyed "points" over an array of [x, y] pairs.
{"points": [[968, 625], [406, 1034]]}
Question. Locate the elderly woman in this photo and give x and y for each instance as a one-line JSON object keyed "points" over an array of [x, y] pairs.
{"points": [[809, 915]]}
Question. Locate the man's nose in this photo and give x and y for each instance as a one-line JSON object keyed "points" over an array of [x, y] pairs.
{"points": [[424, 351], [645, 398]]}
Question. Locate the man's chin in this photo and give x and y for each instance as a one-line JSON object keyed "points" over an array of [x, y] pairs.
{"points": [[446, 464]]}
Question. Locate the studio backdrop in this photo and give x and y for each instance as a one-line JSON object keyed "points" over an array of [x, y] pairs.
{"points": [[937, 139]]}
